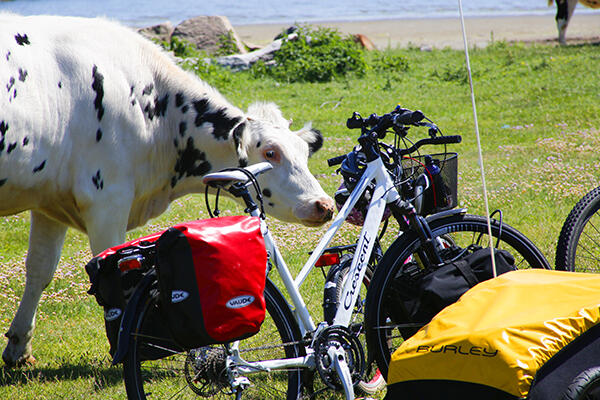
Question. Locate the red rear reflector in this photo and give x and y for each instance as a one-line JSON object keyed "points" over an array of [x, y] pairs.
{"points": [[328, 259], [129, 263]]}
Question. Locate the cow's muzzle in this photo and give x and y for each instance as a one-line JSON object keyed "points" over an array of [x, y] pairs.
{"points": [[316, 212]]}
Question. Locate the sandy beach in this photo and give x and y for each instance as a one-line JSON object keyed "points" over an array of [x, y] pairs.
{"points": [[446, 32]]}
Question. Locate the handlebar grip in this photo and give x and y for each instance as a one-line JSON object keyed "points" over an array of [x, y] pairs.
{"points": [[336, 160], [355, 121], [408, 117], [448, 139]]}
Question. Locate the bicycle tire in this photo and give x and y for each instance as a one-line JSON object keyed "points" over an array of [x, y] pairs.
{"points": [[578, 247], [381, 340], [166, 378], [584, 386]]}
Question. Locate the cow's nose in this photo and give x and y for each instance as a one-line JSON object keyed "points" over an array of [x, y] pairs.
{"points": [[324, 207]]}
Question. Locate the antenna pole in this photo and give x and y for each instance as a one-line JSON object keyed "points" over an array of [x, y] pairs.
{"points": [[485, 196]]}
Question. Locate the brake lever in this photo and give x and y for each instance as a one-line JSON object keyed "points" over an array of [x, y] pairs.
{"points": [[401, 131], [433, 129]]}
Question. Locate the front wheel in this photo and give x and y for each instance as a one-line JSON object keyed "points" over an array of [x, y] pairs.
{"points": [[585, 386], [386, 325], [203, 372], [578, 247], [373, 382]]}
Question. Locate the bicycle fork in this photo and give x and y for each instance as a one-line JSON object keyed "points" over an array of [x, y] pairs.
{"points": [[401, 209]]}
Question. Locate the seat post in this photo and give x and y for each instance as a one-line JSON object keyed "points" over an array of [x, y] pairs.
{"points": [[240, 190]]}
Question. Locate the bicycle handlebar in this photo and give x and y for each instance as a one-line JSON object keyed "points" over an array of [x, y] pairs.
{"points": [[375, 127], [434, 140], [396, 119]]}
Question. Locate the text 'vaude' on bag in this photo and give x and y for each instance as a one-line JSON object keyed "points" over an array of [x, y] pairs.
{"points": [[211, 276]]}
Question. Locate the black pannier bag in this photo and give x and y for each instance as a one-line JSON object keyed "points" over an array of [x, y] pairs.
{"points": [[211, 276], [114, 275], [420, 294]]}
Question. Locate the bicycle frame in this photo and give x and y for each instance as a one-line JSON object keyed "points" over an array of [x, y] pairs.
{"points": [[384, 192], [330, 348]]}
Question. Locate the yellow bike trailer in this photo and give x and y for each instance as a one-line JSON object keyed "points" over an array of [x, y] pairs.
{"points": [[525, 334]]}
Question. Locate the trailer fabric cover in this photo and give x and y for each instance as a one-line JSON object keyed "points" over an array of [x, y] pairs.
{"points": [[501, 331]]}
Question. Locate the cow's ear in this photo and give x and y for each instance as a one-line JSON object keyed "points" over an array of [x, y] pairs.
{"points": [[239, 137], [313, 137]]}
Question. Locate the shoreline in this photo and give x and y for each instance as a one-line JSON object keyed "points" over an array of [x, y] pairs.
{"points": [[442, 32]]}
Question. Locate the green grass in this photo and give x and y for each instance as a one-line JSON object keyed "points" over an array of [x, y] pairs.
{"points": [[539, 118]]}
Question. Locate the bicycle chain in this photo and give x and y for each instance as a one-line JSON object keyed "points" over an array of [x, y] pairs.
{"points": [[304, 342]]}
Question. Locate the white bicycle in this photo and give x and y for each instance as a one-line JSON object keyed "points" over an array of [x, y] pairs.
{"points": [[293, 356]]}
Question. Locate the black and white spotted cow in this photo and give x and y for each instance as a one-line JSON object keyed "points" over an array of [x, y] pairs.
{"points": [[100, 131], [564, 12]]}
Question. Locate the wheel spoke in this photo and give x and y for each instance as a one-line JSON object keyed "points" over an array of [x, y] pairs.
{"points": [[588, 243]]}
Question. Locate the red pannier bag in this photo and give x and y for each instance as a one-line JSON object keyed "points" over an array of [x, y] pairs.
{"points": [[211, 277]]}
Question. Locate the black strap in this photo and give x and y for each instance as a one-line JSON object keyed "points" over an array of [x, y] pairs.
{"points": [[463, 267], [93, 271], [165, 244]]}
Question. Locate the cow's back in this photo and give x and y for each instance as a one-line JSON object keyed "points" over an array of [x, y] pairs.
{"points": [[60, 117]]}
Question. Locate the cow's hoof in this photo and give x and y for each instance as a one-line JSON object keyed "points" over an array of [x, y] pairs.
{"points": [[25, 361], [15, 357]]}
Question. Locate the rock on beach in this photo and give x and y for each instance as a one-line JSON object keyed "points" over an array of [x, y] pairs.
{"points": [[206, 32]]}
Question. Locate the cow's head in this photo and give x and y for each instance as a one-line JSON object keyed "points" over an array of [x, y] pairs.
{"points": [[290, 191]]}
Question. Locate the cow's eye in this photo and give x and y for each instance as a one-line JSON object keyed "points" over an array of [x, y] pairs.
{"points": [[272, 155]]}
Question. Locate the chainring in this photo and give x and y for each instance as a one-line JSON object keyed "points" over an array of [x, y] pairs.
{"points": [[339, 336]]}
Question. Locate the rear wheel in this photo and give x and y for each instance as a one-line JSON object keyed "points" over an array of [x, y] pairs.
{"points": [[203, 372], [386, 324], [578, 247]]}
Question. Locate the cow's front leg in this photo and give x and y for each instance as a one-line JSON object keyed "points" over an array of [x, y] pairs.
{"points": [[45, 243], [106, 226]]}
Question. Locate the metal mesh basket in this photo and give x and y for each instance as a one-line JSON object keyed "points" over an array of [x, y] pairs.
{"points": [[443, 193]]}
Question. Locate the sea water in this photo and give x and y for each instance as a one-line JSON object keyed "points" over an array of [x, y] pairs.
{"points": [[139, 13]]}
